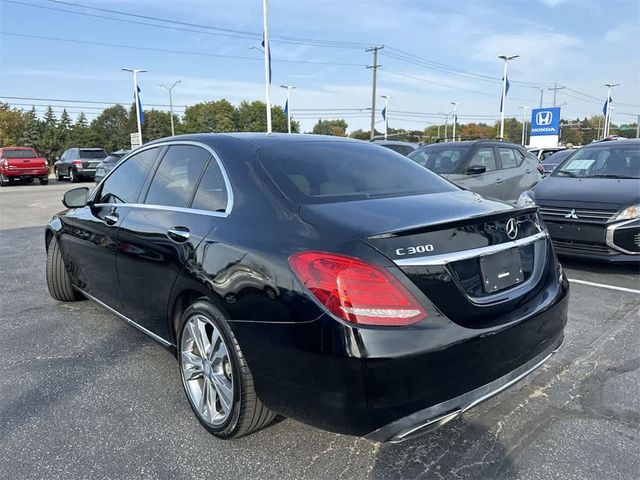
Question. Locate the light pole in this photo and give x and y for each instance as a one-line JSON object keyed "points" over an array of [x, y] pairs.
{"points": [[455, 119], [607, 117], [170, 89], [267, 61], [541, 94], [524, 123], [506, 59], [446, 124], [386, 114], [135, 73], [289, 88]]}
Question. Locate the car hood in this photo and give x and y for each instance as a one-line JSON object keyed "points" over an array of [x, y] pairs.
{"points": [[588, 192], [394, 214]]}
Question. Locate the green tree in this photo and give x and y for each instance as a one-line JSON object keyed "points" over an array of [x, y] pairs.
{"points": [[49, 141], [81, 134], [571, 132], [361, 134], [112, 129], [157, 124], [216, 116], [336, 127], [471, 131], [11, 125], [252, 117], [31, 130], [64, 130]]}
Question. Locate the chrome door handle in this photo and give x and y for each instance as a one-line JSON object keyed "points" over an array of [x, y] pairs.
{"points": [[498, 181], [111, 218], [179, 234]]}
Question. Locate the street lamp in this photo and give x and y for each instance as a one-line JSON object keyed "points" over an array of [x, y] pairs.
{"points": [[386, 113], [169, 89], [455, 119], [524, 123], [607, 117], [506, 59], [288, 112], [135, 73]]}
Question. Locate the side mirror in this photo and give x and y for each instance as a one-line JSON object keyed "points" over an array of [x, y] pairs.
{"points": [[476, 170], [76, 198]]}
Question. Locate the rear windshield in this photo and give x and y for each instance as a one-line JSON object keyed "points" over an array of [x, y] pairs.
{"points": [[22, 153], [92, 153], [615, 160], [326, 172], [401, 149], [441, 160]]}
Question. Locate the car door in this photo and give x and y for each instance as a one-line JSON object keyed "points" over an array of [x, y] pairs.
{"points": [[90, 234], [185, 200], [513, 172], [61, 165], [487, 184]]}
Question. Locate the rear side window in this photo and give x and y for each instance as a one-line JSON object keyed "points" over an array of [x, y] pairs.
{"points": [[508, 157], [324, 172], [22, 153], [484, 158], [92, 153], [177, 176], [212, 191], [442, 160], [125, 183]]}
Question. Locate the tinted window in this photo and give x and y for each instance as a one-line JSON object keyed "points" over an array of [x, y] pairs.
{"points": [[92, 153], [26, 153], [557, 157], [177, 176], [613, 161], [484, 157], [508, 157], [212, 192], [441, 160], [401, 149], [124, 184], [323, 172]]}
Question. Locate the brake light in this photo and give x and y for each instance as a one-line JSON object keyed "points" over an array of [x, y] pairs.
{"points": [[77, 162], [356, 291]]}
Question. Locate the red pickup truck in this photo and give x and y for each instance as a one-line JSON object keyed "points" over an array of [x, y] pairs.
{"points": [[22, 163]]}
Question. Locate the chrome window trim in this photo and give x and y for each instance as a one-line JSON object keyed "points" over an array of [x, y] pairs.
{"points": [[164, 207], [149, 333], [445, 258], [170, 143], [611, 231]]}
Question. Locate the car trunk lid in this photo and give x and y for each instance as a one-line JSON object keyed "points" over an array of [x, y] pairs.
{"points": [[23, 159]]}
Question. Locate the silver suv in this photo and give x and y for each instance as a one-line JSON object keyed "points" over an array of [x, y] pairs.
{"points": [[491, 168]]}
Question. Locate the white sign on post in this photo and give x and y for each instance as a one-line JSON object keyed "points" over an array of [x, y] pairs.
{"points": [[136, 141]]}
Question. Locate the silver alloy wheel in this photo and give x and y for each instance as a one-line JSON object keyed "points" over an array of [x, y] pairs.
{"points": [[72, 177], [206, 370]]}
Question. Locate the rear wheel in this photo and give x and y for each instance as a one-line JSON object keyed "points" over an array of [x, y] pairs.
{"points": [[215, 375], [73, 176], [44, 181], [58, 279]]}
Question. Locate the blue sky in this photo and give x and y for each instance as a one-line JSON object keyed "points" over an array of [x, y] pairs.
{"points": [[580, 44]]}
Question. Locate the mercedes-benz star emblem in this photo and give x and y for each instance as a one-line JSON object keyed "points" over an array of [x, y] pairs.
{"points": [[511, 228]]}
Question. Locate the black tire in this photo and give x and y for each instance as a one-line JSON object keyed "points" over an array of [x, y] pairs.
{"points": [[44, 181], [28, 180], [73, 176], [248, 413], [58, 279], [58, 176], [4, 181]]}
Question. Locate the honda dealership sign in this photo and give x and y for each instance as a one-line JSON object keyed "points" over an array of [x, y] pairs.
{"points": [[545, 127]]}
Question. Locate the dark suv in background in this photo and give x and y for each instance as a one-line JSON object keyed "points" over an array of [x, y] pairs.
{"points": [[78, 163]]}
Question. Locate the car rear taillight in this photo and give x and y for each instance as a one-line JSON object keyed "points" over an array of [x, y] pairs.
{"points": [[77, 162], [356, 291]]}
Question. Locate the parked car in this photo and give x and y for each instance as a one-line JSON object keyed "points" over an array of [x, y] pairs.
{"points": [[543, 153], [552, 161], [323, 279], [491, 168], [591, 202], [106, 165], [403, 148], [22, 163], [78, 163]]}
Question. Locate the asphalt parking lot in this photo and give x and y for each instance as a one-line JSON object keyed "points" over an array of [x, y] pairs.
{"points": [[83, 395]]}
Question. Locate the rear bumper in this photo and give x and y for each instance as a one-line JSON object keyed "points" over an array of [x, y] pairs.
{"points": [[86, 173], [25, 173]]}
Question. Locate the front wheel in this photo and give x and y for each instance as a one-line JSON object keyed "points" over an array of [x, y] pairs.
{"points": [[215, 375], [58, 280], [4, 181], [58, 176]]}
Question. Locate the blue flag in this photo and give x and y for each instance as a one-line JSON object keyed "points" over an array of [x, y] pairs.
{"points": [[286, 108], [606, 106], [139, 108], [506, 90], [384, 113], [268, 50]]}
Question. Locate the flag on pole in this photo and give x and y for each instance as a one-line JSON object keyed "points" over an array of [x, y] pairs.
{"points": [[384, 113], [286, 108], [139, 107], [606, 106], [506, 90], [268, 50]]}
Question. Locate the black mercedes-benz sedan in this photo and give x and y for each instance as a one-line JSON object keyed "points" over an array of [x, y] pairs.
{"points": [[591, 202], [327, 280]]}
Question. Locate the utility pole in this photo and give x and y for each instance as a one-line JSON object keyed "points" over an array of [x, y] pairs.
{"points": [[267, 61], [455, 119], [170, 89], [135, 73], [524, 123], [374, 69], [446, 124], [289, 88], [541, 94], [638, 127], [506, 59], [555, 92], [607, 117], [386, 114], [438, 130]]}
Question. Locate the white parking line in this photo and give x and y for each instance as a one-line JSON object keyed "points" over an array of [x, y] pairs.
{"points": [[604, 285]]}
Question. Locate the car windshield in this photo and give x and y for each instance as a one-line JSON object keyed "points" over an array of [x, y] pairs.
{"points": [[557, 157], [92, 153], [325, 172], [442, 159], [610, 161], [19, 153]]}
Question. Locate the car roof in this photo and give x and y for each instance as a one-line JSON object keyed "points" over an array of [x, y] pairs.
{"points": [[257, 140], [394, 142], [613, 142], [467, 143]]}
